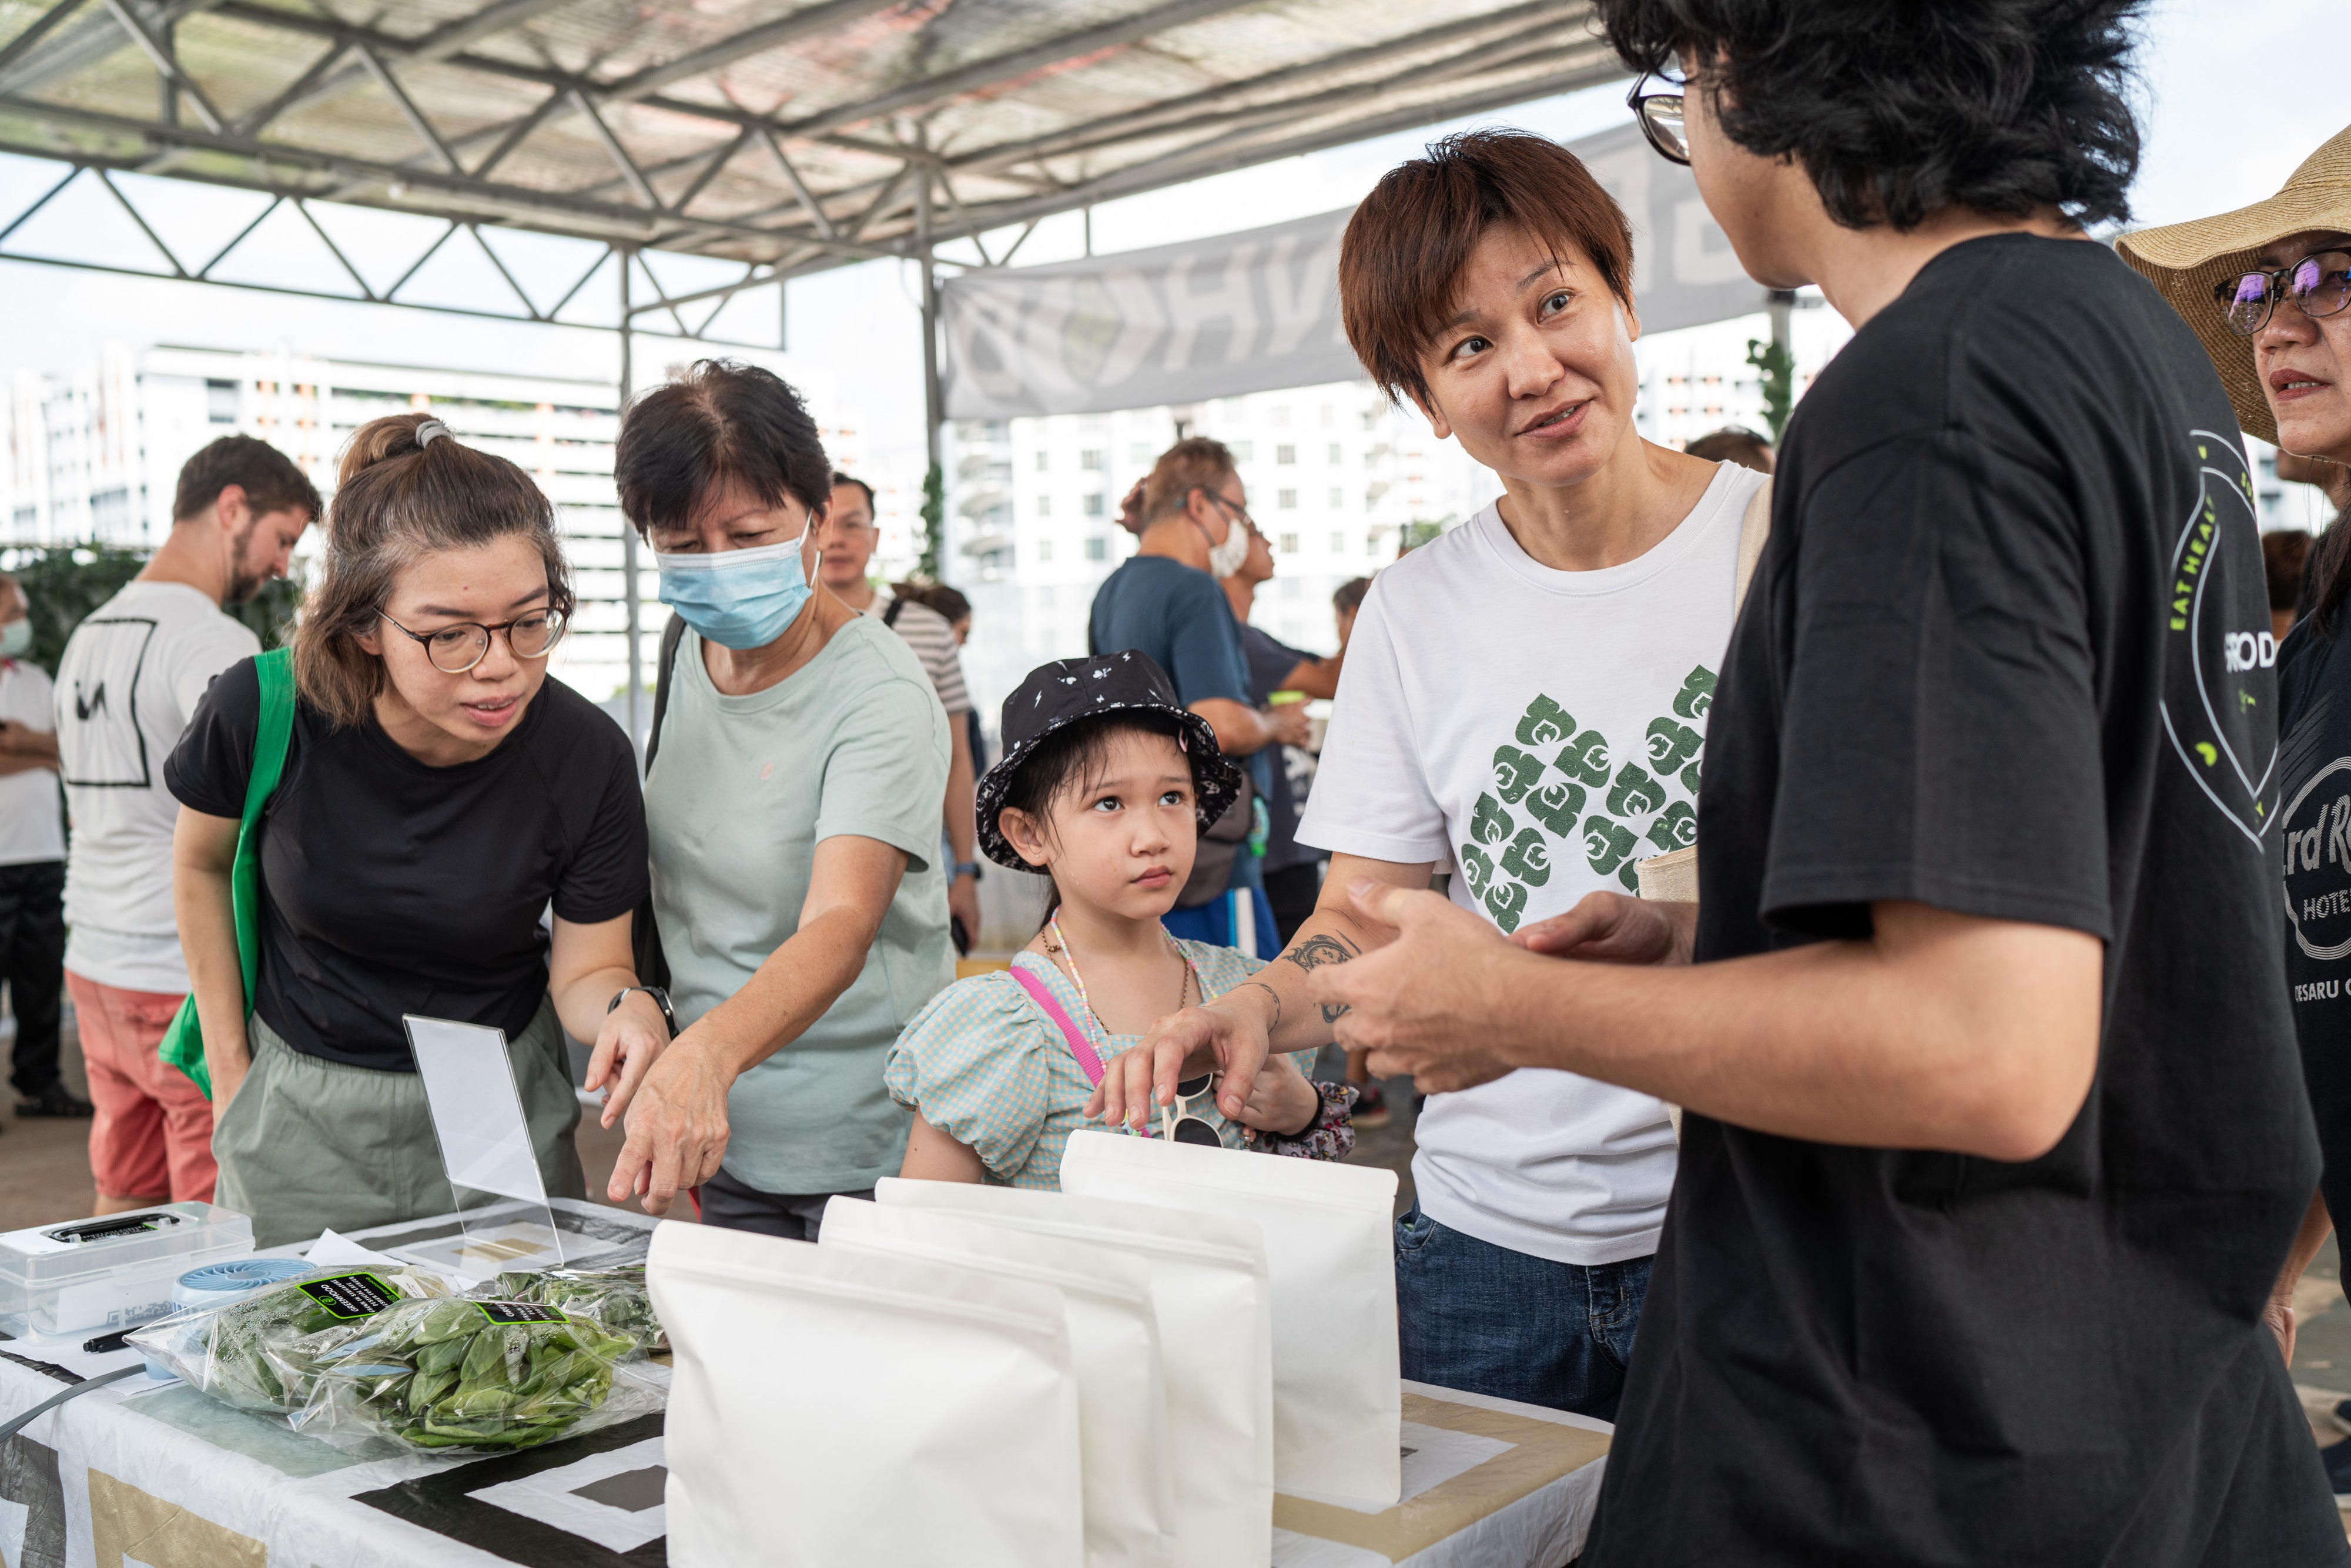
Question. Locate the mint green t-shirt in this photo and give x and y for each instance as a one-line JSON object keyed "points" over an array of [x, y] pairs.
{"points": [[742, 791]]}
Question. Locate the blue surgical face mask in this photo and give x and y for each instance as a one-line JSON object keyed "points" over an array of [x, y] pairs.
{"points": [[17, 639], [738, 599]]}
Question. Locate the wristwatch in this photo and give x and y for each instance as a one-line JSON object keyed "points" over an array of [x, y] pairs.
{"points": [[965, 868], [661, 1000]]}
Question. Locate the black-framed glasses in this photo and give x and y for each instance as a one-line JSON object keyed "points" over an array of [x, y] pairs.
{"points": [[1658, 108], [454, 649], [2319, 285], [1239, 512]]}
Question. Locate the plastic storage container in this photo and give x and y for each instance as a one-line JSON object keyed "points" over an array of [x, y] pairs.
{"points": [[90, 1277]]}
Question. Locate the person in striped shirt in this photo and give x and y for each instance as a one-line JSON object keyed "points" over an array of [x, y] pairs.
{"points": [[849, 539]]}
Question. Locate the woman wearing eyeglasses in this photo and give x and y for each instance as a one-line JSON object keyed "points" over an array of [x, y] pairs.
{"points": [[439, 794], [2268, 289]]}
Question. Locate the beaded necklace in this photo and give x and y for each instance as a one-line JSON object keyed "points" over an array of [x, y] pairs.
{"points": [[1060, 944]]}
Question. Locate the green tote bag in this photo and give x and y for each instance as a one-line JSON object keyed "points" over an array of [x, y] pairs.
{"points": [[183, 1042]]}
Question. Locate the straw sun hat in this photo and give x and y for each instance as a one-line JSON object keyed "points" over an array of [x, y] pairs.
{"points": [[2185, 260]]}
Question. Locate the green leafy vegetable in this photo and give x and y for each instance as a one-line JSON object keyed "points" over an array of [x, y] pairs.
{"points": [[467, 1379], [389, 1352], [615, 1300]]}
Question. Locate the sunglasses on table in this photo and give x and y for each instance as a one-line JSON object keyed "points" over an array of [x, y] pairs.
{"points": [[1655, 102], [454, 649], [2319, 285]]}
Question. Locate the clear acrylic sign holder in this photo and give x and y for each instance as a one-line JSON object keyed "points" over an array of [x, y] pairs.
{"points": [[504, 1220]]}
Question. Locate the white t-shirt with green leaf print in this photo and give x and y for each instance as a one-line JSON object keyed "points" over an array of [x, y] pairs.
{"points": [[1534, 733]]}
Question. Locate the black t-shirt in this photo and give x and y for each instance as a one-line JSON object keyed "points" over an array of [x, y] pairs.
{"points": [[1995, 661], [1269, 660], [2314, 841], [392, 887]]}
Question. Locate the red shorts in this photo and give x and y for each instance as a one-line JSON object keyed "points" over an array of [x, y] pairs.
{"points": [[153, 1130]]}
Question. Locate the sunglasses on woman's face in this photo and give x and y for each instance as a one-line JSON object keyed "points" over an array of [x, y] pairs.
{"points": [[2319, 285]]}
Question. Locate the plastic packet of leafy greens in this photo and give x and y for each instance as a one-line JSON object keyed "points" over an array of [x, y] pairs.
{"points": [[615, 1300], [467, 1374], [262, 1352]]}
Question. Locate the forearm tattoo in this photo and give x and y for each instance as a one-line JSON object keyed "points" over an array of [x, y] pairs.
{"points": [[1275, 1023], [1318, 950]]}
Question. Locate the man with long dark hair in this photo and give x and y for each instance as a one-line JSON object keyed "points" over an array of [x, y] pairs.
{"points": [[1994, 1139]]}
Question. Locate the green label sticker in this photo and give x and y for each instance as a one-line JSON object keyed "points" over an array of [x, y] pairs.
{"points": [[518, 1312], [349, 1296]]}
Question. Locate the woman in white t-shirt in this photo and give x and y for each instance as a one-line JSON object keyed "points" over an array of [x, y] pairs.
{"points": [[1522, 711]]}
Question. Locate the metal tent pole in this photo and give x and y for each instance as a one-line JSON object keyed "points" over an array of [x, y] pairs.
{"points": [[932, 413], [628, 531]]}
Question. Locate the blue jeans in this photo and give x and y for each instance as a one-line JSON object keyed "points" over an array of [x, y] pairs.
{"points": [[1478, 1317]]}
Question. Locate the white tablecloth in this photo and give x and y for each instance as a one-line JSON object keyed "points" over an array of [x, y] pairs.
{"points": [[157, 1474]]}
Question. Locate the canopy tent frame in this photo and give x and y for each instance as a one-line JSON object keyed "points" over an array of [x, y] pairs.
{"points": [[891, 128]]}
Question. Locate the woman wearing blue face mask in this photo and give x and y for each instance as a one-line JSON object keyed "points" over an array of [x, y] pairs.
{"points": [[793, 806]]}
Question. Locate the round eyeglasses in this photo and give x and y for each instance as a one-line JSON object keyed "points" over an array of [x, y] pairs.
{"points": [[1658, 108], [2319, 285], [454, 649]]}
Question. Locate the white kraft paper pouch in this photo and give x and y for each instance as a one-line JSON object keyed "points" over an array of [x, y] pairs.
{"points": [[835, 1407], [1208, 1293], [1113, 1344], [1338, 1406]]}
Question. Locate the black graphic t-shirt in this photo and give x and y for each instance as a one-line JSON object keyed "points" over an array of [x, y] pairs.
{"points": [[2003, 657], [389, 886], [2314, 845]]}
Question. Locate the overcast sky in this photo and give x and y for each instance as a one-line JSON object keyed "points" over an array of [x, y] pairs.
{"points": [[2229, 115]]}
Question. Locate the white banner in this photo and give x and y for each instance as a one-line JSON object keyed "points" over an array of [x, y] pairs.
{"points": [[1260, 311]]}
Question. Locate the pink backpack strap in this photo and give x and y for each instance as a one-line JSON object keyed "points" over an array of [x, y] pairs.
{"points": [[1089, 1060]]}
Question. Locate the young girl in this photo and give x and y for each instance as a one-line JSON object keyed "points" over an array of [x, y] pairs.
{"points": [[1105, 782]]}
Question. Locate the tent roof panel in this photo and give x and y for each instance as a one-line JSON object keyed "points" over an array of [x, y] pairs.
{"points": [[802, 133]]}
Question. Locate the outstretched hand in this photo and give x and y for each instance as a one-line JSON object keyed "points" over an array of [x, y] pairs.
{"points": [[1423, 1004], [1224, 1034], [1610, 928], [633, 1036], [677, 1126]]}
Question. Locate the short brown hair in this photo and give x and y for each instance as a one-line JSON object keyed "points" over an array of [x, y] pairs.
{"points": [[1192, 463], [950, 602], [268, 476], [721, 423], [1401, 261], [1732, 444], [397, 499]]}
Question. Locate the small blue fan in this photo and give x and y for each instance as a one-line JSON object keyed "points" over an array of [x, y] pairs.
{"points": [[216, 1284]]}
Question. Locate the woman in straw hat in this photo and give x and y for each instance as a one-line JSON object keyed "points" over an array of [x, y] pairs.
{"points": [[2268, 289]]}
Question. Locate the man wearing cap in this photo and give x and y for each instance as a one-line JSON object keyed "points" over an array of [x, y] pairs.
{"points": [[2267, 288]]}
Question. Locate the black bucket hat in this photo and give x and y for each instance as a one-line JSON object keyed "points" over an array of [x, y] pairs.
{"points": [[1071, 691]]}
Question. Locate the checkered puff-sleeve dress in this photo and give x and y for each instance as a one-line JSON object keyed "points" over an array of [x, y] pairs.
{"points": [[984, 1065]]}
